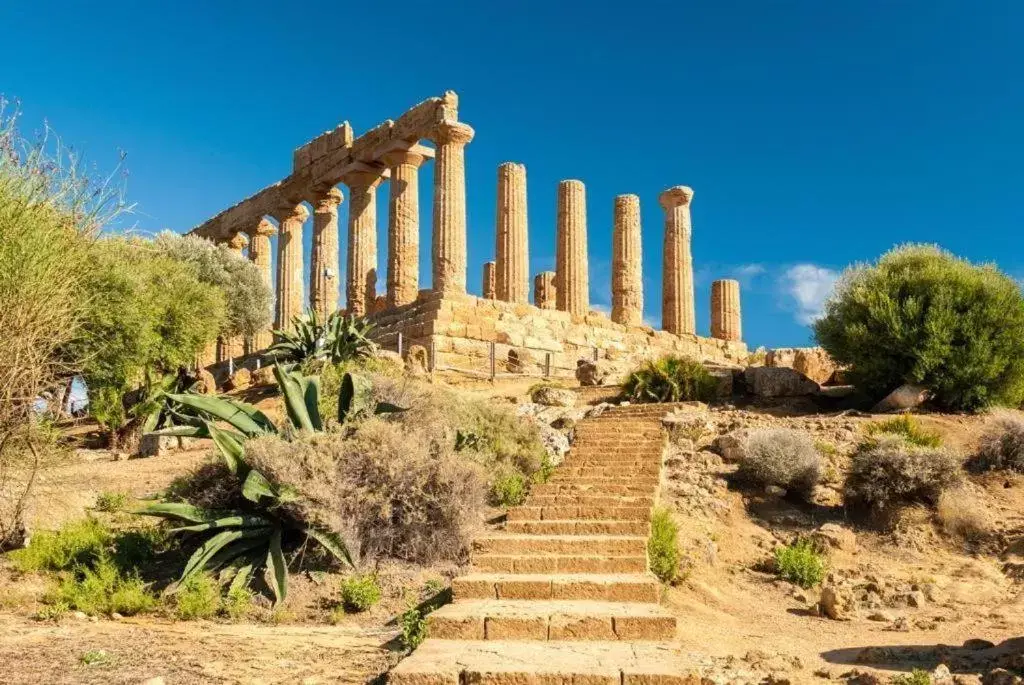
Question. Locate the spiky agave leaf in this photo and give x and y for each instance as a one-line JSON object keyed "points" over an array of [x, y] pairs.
{"points": [[277, 567], [206, 552], [301, 398], [178, 510], [245, 418]]}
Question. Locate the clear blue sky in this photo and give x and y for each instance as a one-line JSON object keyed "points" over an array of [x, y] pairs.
{"points": [[814, 133]]}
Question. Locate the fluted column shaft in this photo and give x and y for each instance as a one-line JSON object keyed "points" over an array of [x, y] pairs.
{"points": [[289, 265], [234, 346], [323, 263], [449, 240], [677, 289], [725, 310], [259, 254], [544, 290], [627, 279], [490, 290], [571, 283], [512, 275], [361, 282], [403, 227]]}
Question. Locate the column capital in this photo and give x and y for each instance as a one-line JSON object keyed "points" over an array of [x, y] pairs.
{"points": [[238, 242], [454, 132], [676, 196], [263, 229], [297, 212], [329, 200], [410, 157], [363, 178]]}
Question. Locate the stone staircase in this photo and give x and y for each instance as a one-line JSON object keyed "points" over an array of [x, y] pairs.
{"points": [[563, 594]]}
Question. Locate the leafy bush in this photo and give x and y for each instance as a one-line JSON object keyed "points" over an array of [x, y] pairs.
{"points": [[111, 502], [888, 471], [918, 676], [360, 592], [103, 589], [237, 602], [197, 597], [339, 339], [77, 543], [906, 427], [509, 490], [921, 315], [1002, 443], [800, 563], [670, 379], [663, 546], [782, 457], [414, 628]]}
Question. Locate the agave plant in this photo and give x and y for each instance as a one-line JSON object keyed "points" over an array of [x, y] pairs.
{"points": [[156, 408], [338, 339], [670, 379]]}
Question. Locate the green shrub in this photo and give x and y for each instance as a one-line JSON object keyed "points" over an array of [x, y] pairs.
{"points": [[414, 628], [103, 590], [670, 379], [237, 602], [112, 502], [887, 471], [906, 427], [509, 490], [921, 315], [197, 597], [918, 676], [95, 657], [782, 457], [53, 612], [800, 563], [77, 543], [360, 592], [1002, 443], [663, 546]]}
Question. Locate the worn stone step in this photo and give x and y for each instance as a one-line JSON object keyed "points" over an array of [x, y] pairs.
{"points": [[517, 619], [511, 543], [579, 527], [574, 499], [565, 472], [562, 513], [619, 488], [559, 563], [450, 662], [643, 479], [611, 587]]}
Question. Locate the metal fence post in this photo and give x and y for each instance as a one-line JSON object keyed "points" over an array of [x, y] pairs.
{"points": [[231, 366], [547, 365], [399, 343], [597, 354], [493, 363], [433, 355]]}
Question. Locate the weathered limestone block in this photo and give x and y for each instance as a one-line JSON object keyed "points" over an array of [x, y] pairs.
{"points": [[489, 281], [813, 362], [907, 396], [725, 310], [264, 376], [417, 362], [544, 291], [449, 240], [571, 282], [766, 381], [518, 361], [361, 281], [627, 277], [589, 372], [677, 291], [551, 396], [239, 380], [323, 266], [403, 227], [513, 262], [289, 264]]}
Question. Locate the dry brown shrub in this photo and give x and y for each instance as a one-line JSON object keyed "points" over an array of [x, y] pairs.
{"points": [[1002, 443], [783, 457], [963, 514], [887, 472]]}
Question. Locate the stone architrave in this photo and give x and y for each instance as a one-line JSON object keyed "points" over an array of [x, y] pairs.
{"points": [[361, 276], [677, 291], [627, 277], [725, 310], [571, 282], [403, 226], [448, 250], [544, 290], [489, 281], [512, 276], [323, 263], [259, 254], [289, 264]]}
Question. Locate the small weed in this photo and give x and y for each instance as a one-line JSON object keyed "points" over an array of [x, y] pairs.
{"points": [[80, 542], [337, 615], [434, 586], [663, 546], [360, 592], [414, 628], [135, 548], [199, 597], [281, 615], [95, 657], [237, 603], [826, 448], [918, 676], [53, 612], [112, 502], [509, 490], [800, 563], [907, 427], [546, 470], [103, 589]]}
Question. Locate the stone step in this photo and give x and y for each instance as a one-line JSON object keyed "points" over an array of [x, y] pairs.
{"points": [[512, 543], [450, 662], [612, 587], [559, 563], [572, 512], [581, 499], [579, 527], [650, 470], [517, 619], [550, 488]]}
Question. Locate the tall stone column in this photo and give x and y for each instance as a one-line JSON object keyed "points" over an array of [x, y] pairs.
{"points": [[234, 346], [323, 262], [677, 289], [289, 264], [725, 310], [361, 283], [627, 279], [512, 278], [449, 241], [571, 282], [259, 254], [490, 291], [544, 291], [403, 227]]}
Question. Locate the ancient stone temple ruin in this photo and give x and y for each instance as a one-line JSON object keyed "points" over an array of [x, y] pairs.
{"points": [[459, 329]]}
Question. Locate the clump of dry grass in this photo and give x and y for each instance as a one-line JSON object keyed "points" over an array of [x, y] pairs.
{"points": [[1002, 443], [888, 471], [782, 457], [964, 515]]}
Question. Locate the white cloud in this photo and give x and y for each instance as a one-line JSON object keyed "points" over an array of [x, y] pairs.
{"points": [[809, 285], [748, 271]]}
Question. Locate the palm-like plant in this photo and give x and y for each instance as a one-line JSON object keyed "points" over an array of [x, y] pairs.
{"points": [[669, 379], [338, 339]]}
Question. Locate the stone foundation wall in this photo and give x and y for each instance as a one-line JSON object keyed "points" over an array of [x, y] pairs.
{"points": [[461, 328]]}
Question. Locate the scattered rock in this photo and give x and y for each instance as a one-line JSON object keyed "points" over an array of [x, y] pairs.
{"points": [[813, 362], [731, 446], [975, 644], [837, 602], [552, 396], [941, 675], [263, 376], [765, 381], [1000, 676], [206, 384], [239, 380], [832, 535], [916, 599], [880, 617], [590, 373], [417, 363], [906, 396]]}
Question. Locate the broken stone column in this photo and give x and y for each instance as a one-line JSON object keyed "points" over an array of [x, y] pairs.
{"points": [[544, 290], [571, 282], [725, 310], [449, 242], [323, 263], [289, 264], [489, 281], [403, 227], [361, 282], [259, 254], [513, 261], [627, 278], [677, 289]]}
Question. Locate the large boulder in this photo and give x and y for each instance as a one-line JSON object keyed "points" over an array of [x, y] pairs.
{"points": [[813, 362], [837, 602], [590, 372], [553, 396], [907, 396], [766, 381]]}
